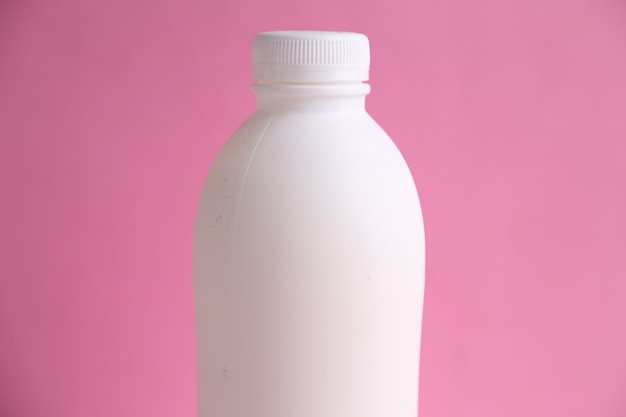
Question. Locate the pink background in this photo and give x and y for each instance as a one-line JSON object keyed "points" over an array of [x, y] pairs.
{"points": [[511, 114]]}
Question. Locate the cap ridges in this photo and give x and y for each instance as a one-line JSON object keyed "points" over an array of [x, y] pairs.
{"points": [[310, 56]]}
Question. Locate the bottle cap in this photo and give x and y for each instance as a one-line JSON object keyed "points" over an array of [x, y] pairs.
{"points": [[310, 57]]}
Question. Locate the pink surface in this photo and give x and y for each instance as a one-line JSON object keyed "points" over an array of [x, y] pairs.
{"points": [[512, 116]]}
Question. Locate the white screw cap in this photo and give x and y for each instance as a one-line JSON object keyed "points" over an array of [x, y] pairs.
{"points": [[310, 56]]}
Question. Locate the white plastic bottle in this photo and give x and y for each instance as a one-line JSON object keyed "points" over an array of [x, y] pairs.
{"points": [[309, 247]]}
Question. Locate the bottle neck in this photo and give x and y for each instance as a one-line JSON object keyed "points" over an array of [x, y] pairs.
{"points": [[349, 96]]}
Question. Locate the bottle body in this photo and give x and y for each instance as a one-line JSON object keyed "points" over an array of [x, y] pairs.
{"points": [[309, 267]]}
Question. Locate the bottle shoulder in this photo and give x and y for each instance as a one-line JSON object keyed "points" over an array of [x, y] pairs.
{"points": [[292, 163], [309, 124], [304, 138]]}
